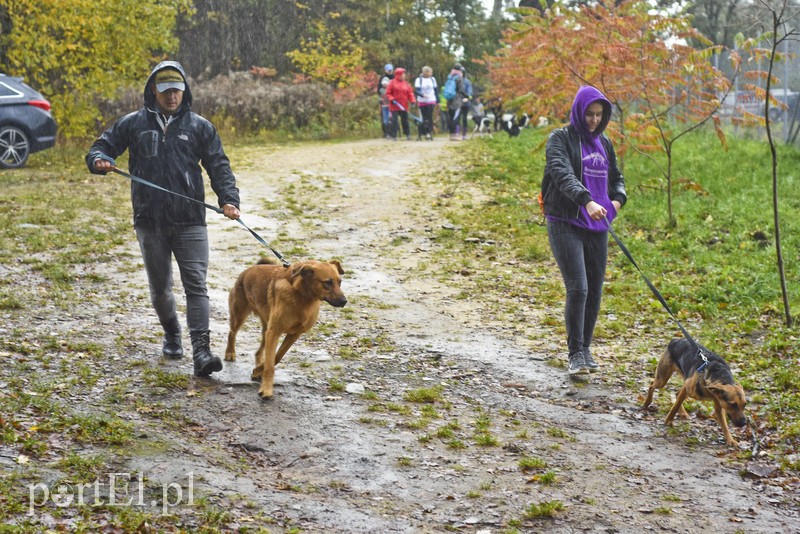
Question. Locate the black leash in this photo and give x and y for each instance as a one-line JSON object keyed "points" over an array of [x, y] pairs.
{"points": [[209, 206], [657, 294]]}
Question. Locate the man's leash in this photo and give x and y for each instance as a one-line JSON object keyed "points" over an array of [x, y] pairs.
{"points": [[142, 181], [753, 434]]}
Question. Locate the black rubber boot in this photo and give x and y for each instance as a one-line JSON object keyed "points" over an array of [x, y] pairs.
{"points": [[205, 363], [172, 347]]}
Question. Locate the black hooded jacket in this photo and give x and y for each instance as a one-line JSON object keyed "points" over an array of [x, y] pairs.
{"points": [[563, 190], [169, 159]]}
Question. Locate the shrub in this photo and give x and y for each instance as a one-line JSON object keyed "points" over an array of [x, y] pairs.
{"points": [[244, 104]]}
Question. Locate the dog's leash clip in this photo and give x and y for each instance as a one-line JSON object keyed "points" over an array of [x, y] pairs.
{"points": [[705, 360]]}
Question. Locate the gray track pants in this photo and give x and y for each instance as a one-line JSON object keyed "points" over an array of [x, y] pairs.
{"points": [[189, 245]]}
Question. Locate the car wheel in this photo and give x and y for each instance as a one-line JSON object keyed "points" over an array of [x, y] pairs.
{"points": [[14, 147]]}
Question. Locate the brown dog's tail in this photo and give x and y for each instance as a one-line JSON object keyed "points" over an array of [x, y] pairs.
{"points": [[268, 261]]}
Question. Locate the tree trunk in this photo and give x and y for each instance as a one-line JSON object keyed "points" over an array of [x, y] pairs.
{"points": [[776, 25], [497, 10]]}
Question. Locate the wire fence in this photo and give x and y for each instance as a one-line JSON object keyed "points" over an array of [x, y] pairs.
{"points": [[744, 102]]}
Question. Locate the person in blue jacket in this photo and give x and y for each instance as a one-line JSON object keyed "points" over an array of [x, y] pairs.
{"points": [[383, 103], [466, 104]]}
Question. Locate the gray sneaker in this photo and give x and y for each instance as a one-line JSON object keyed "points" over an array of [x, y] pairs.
{"points": [[589, 361], [577, 365]]}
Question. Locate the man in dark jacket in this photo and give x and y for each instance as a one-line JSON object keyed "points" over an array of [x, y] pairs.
{"points": [[167, 142]]}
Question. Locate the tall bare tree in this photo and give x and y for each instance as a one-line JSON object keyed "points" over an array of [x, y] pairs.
{"points": [[775, 31]]}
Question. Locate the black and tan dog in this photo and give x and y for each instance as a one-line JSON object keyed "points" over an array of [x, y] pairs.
{"points": [[287, 300], [713, 382]]}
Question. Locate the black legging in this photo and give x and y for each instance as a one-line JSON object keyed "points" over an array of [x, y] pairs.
{"points": [[403, 120], [427, 119], [452, 120], [581, 256], [464, 118]]}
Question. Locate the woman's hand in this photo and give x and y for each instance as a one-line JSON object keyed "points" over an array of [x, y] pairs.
{"points": [[617, 205], [595, 211]]}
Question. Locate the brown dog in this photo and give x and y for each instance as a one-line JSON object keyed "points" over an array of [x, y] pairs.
{"points": [[287, 301], [713, 382]]}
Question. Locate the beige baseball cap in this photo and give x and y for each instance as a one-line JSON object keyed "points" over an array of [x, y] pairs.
{"points": [[167, 79]]}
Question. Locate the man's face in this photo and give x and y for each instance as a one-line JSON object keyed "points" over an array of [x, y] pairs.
{"points": [[169, 101]]}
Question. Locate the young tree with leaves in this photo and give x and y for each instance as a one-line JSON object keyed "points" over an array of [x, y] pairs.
{"points": [[76, 51]]}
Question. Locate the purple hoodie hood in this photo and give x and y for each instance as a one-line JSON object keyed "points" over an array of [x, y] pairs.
{"points": [[584, 98]]}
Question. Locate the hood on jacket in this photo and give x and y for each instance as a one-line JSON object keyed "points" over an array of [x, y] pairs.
{"points": [[150, 98], [398, 72], [585, 97]]}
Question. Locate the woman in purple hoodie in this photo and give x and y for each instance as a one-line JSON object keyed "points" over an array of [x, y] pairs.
{"points": [[582, 191]]}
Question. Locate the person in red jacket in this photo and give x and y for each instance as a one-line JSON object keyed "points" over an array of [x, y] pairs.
{"points": [[400, 96]]}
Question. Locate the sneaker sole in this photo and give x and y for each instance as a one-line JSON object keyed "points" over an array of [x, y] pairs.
{"points": [[581, 371]]}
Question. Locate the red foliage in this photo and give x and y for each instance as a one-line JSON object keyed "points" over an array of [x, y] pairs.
{"points": [[635, 57]]}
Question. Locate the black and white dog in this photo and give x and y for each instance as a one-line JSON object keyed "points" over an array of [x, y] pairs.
{"points": [[514, 126], [483, 125]]}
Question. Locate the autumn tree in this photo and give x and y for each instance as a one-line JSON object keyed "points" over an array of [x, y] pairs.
{"points": [[680, 91], [75, 51], [660, 89], [335, 58]]}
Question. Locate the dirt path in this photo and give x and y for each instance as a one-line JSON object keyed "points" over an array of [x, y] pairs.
{"points": [[323, 456]]}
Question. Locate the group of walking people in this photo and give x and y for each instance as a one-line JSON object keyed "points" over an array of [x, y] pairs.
{"points": [[396, 97]]}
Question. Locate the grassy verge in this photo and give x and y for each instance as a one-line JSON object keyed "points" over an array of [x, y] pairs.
{"points": [[716, 268]]}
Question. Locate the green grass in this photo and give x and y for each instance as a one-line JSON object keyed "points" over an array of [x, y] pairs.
{"points": [[335, 385], [484, 439], [83, 468], [424, 395], [65, 235], [165, 379], [528, 463], [716, 268], [543, 509], [547, 479]]}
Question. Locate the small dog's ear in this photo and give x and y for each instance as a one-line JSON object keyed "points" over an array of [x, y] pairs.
{"points": [[338, 266], [301, 270], [717, 390]]}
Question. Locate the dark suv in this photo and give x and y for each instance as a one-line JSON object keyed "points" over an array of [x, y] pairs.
{"points": [[26, 124]]}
